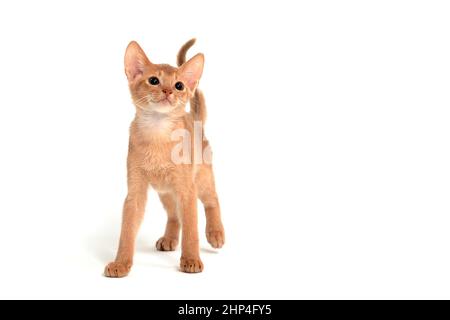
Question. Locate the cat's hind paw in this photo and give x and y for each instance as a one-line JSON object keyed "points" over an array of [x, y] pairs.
{"points": [[166, 244]]}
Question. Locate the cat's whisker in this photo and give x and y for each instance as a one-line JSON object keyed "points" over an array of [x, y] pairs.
{"points": [[142, 99], [141, 107]]}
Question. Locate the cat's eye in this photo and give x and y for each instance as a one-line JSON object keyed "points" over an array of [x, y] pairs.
{"points": [[154, 81], [179, 86]]}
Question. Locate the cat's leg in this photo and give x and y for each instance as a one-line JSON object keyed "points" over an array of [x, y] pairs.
{"points": [[169, 241], [215, 232], [186, 198], [133, 213]]}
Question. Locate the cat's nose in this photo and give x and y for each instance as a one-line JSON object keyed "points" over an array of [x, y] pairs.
{"points": [[167, 91]]}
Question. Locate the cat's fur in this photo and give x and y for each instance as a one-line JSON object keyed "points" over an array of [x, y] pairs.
{"points": [[160, 109]]}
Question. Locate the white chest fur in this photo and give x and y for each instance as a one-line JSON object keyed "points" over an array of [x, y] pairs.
{"points": [[154, 123]]}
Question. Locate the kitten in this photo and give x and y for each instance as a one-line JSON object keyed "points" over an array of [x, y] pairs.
{"points": [[160, 93]]}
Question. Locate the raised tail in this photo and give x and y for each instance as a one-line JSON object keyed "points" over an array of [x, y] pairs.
{"points": [[181, 57], [197, 102]]}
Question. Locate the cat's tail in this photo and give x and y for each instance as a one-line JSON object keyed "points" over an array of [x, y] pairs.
{"points": [[181, 57], [197, 102], [198, 106]]}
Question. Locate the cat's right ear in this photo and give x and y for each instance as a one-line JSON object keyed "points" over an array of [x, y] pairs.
{"points": [[135, 61]]}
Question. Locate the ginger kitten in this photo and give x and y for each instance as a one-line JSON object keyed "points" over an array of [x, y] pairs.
{"points": [[160, 93]]}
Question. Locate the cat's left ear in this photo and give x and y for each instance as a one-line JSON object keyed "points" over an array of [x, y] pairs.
{"points": [[191, 71]]}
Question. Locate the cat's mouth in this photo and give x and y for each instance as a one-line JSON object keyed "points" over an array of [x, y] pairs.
{"points": [[164, 102], [163, 105]]}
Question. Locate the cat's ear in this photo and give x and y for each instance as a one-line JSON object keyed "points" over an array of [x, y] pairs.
{"points": [[192, 70], [135, 61]]}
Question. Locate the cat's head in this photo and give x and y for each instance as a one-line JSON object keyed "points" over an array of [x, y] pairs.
{"points": [[160, 87]]}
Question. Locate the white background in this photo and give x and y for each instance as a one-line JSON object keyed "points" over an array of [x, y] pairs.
{"points": [[329, 122]]}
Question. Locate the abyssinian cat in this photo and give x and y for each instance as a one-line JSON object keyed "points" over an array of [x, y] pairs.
{"points": [[160, 93]]}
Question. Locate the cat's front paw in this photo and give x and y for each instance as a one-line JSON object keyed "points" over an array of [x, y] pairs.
{"points": [[117, 270], [166, 244], [191, 265], [216, 238]]}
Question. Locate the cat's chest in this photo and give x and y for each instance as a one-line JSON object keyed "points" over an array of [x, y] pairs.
{"points": [[150, 153], [155, 125], [159, 169], [153, 146], [157, 158]]}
